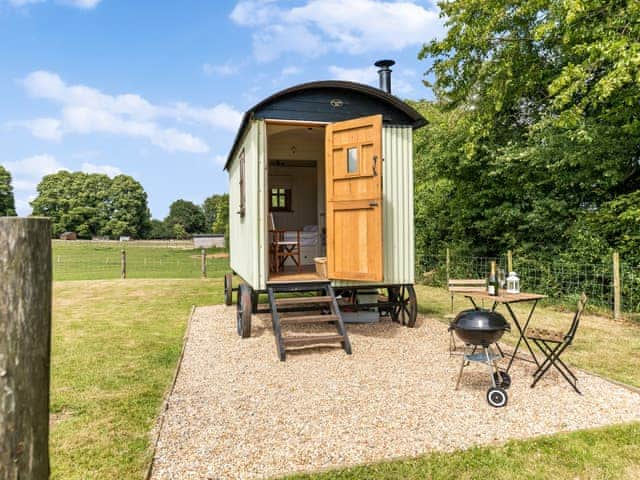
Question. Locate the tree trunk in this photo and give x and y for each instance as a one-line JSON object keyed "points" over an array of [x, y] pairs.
{"points": [[25, 345]]}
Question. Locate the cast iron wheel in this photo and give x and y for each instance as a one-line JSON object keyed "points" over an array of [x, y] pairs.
{"points": [[496, 397], [502, 379], [244, 309], [228, 288], [405, 305]]}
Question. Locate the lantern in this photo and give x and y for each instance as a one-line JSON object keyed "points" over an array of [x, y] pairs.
{"points": [[513, 283]]}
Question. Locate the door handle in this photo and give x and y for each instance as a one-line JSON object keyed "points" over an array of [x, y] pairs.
{"points": [[375, 161], [373, 204]]}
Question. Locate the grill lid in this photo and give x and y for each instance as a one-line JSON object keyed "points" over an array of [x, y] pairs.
{"points": [[485, 320]]}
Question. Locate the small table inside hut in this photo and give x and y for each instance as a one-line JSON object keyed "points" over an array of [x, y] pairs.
{"points": [[507, 299]]}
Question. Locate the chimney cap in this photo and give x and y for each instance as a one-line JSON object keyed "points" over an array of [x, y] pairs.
{"points": [[384, 64]]}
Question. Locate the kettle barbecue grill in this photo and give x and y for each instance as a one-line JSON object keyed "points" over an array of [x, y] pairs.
{"points": [[480, 329]]}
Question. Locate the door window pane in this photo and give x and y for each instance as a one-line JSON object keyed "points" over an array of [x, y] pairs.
{"points": [[352, 160]]}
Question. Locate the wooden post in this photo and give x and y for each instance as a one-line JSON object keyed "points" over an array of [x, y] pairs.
{"points": [[25, 346], [123, 264], [203, 263], [448, 265], [617, 297], [509, 262]]}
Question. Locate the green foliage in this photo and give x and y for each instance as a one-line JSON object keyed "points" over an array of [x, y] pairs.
{"points": [[129, 213], [221, 223], [187, 214], [179, 231], [158, 230], [7, 202], [93, 204], [216, 212], [534, 140]]}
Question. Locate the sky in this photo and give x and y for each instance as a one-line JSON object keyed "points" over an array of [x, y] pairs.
{"points": [[156, 89]]}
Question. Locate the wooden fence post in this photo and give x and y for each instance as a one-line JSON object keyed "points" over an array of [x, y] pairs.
{"points": [[617, 296], [509, 262], [448, 266], [25, 346], [123, 264], [203, 263]]}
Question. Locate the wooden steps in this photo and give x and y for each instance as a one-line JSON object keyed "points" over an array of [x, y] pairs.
{"points": [[284, 302], [302, 340], [326, 301], [309, 319]]}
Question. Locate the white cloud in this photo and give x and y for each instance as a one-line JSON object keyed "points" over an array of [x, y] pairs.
{"points": [[273, 40], [219, 160], [109, 170], [361, 75], [226, 69], [44, 128], [347, 26], [86, 110], [35, 167], [290, 71], [254, 12], [22, 3], [21, 185], [84, 4]]}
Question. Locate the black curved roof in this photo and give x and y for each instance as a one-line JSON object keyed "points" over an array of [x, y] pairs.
{"points": [[330, 101]]}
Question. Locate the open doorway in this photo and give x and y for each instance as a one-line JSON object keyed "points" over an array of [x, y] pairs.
{"points": [[296, 199]]}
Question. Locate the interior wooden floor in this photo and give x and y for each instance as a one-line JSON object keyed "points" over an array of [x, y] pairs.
{"points": [[307, 273]]}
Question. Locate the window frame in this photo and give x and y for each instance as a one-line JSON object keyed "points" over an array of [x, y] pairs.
{"points": [[286, 194]]}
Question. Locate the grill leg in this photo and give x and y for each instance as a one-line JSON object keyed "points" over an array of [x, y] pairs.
{"points": [[490, 365], [461, 368]]}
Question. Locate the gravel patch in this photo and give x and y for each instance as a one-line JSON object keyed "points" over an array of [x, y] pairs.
{"points": [[238, 412]]}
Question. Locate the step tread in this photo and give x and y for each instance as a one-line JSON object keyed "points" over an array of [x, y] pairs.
{"points": [[280, 302], [309, 319], [298, 341]]}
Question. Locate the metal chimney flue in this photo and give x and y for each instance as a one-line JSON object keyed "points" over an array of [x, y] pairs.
{"points": [[384, 74]]}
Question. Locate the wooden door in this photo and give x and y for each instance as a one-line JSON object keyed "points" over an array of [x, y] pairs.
{"points": [[353, 164]]}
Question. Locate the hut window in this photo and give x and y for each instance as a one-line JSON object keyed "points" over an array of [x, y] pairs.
{"points": [[352, 160], [242, 185], [280, 199]]}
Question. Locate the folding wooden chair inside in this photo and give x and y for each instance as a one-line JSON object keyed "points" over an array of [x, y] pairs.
{"points": [[552, 344], [462, 286], [283, 247]]}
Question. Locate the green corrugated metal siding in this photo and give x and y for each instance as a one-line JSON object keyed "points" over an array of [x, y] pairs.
{"points": [[397, 206], [245, 234]]}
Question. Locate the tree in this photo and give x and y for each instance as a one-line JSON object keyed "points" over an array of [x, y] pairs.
{"points": [[535, 129], [7, 202], [128, 210], [221, 222], [209, 208], [93, 204], [187, 214], [158, 230]]}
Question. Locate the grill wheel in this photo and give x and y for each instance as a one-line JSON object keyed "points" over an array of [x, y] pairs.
{"points": [[496, 397]]}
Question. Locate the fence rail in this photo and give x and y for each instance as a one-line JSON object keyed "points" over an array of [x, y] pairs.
{"points": [[560, 280], [129, 265]]}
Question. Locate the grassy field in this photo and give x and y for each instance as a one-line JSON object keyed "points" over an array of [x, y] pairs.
{"points": [[85, 260], [116, 343], [115, 348]]}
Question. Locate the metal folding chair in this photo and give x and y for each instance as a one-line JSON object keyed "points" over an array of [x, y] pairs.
{"points": [[552, 344]]}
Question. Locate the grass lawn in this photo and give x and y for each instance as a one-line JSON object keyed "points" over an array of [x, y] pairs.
{"points": [[115, 348], [85, 260]]}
